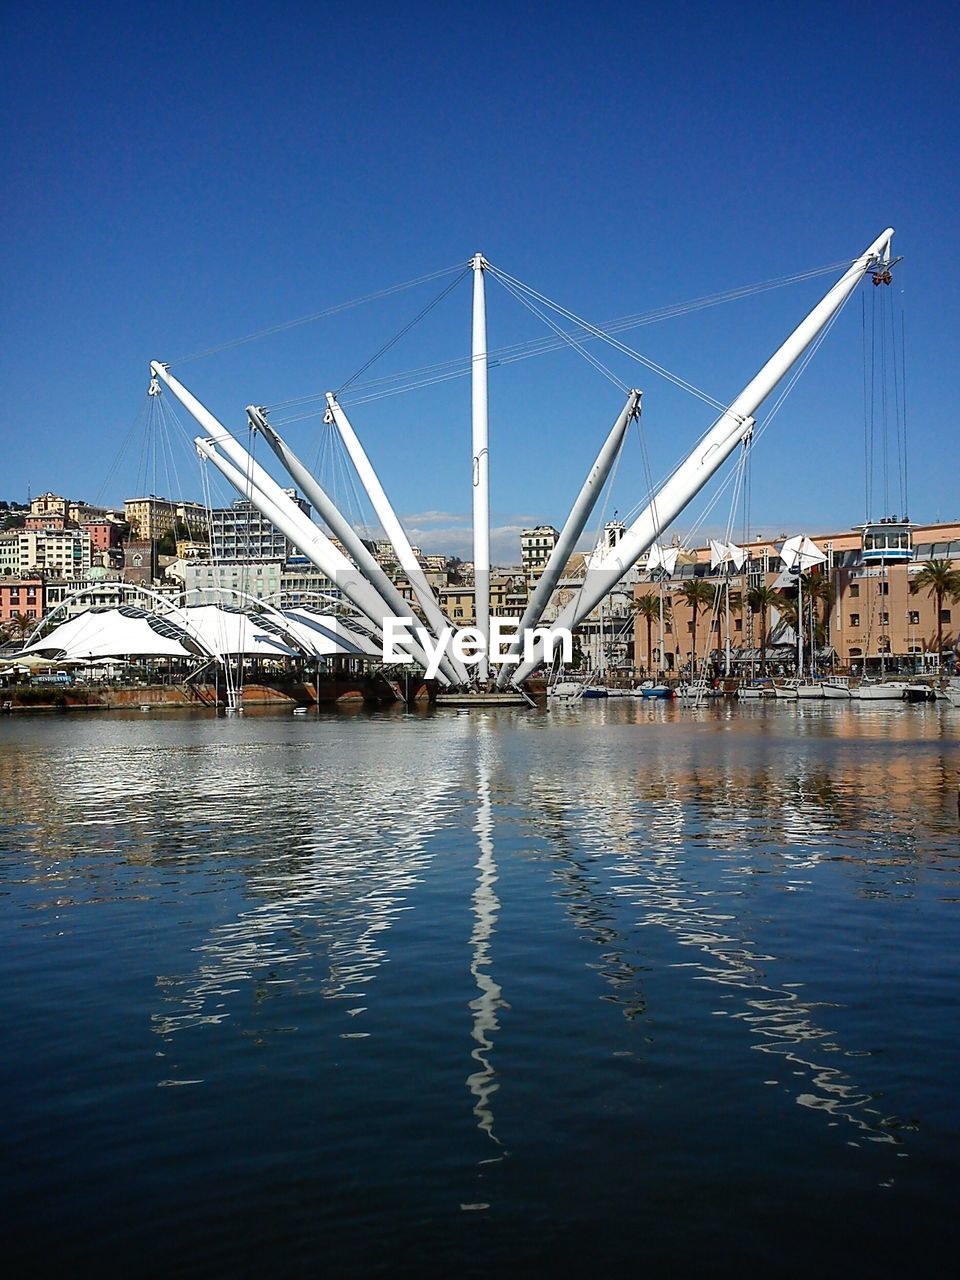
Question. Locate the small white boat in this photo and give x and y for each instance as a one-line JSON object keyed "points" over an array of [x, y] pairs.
{"points": [[785, 688], [878, 691], [836, 687], [810, 689], [565, 691], [757, 689]]}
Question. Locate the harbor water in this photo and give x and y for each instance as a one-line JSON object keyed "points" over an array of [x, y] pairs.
{"points": [[498, 992]]}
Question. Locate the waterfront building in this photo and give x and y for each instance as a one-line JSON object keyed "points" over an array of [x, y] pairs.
{"points": [[536, 547], [21, 598], [48, 504], [41, 522], [458, 600], [872, 619], [104, 533], [212, 582]]}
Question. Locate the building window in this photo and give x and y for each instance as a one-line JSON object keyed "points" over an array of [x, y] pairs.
{"points": [[854, 619], [738, 624], [913, 617], [884, 588], [944, 615], [854, 589], [884, 619], [856, 653]]}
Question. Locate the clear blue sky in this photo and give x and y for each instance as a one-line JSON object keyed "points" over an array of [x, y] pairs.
{"points": [[181, 175]]}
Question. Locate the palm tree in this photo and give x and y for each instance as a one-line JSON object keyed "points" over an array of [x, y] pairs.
{"points": [[698, 594], [648, 608], [940, 580], [21, 624], [821, 591], [760, 599]]}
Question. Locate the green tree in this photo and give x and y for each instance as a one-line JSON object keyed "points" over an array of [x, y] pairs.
{"points": [[698, 594], [760, 600], [21, 624], [942, 581]]}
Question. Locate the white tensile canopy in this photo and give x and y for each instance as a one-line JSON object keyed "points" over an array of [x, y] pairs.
{"points": [[230, 633], [199, 631], [117, 632], [801, 553]]}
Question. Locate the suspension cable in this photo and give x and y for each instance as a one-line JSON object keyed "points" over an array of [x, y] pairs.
{"points": [[336, 309], [614, 342], [403, 332], [432, 374]]}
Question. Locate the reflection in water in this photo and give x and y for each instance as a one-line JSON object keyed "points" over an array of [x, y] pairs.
{"points": [[709, 865], [650, 839], [486, 907], [334, 892]]}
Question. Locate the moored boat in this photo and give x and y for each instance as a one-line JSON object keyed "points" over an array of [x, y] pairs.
{"points": [[836, 687], [785, 688], [810, 689], [878, 691]]}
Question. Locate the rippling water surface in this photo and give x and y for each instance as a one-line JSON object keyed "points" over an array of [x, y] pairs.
{"points": [[621, 985]]}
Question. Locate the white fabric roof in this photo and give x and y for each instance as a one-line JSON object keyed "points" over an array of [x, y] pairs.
{"points": [[229, 633], [331, 635], [202, 631], [108, 633]]}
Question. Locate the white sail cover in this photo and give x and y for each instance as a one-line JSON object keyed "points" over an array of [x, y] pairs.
{"points": [[662, 558], [727, 553], [324, 635], [801, 553], [202, 631]]}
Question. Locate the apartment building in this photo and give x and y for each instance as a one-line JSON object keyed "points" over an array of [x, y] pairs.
{"points": [[152, 517], [242, 532]]}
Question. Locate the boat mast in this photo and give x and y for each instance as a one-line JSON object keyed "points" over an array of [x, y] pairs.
{"points": [[800, 623], [481, 468]]}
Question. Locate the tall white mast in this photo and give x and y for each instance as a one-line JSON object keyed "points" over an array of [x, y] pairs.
{"points": [[256, 484], [481, 468], [573, 527], [734, 426], [340, 527], [391, 526]]}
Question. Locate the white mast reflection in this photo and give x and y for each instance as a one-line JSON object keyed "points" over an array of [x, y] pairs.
{"points": [[486, 908]]}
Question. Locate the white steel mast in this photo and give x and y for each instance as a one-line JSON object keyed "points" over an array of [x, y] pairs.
{"points": [[391, 526], [573, 527], [734, 426], [481, 468], [342, 528], [254, 483]]}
